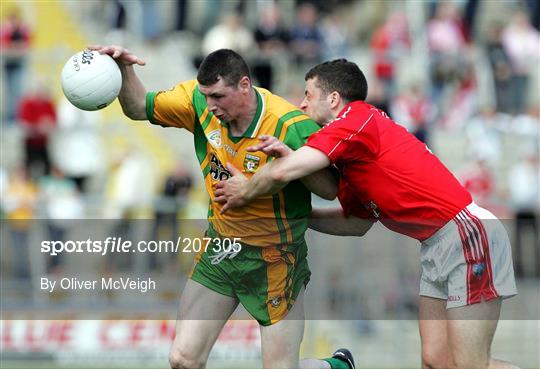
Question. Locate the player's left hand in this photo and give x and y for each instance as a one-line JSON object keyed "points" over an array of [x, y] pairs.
{"points": [[229, 192], [271, 146]]}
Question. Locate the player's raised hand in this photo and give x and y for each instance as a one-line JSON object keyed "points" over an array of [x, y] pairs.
{"points": [[229, 192], [120, 54], [271, 146]]}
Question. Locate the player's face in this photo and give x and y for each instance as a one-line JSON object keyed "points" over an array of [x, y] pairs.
{"points": [[316, 104], [224, 101]]}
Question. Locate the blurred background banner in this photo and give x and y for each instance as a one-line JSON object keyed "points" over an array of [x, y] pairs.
{"points": [[133, 343], [462, 75]]}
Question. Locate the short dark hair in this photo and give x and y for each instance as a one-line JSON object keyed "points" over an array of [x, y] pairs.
{"points": [[342, 76], [224, 63]]}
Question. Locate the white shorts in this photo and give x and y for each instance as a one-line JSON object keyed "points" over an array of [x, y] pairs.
{"points": [[468, 261]]}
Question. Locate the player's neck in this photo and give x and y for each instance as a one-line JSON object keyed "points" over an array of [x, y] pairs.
{"points": [[238, 126]]}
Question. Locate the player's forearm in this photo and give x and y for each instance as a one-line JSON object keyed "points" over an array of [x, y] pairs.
{"points": [[132, 95], [333, 221], [267, 180], [275, 175], [322, 183]]}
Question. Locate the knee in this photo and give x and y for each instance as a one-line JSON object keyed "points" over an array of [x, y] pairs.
{"points": [[434, 359], [180, 360]]}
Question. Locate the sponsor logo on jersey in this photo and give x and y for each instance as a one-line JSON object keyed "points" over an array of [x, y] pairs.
{"points": [[214, 138], [230, 150], [251, 163], [217, 170], [454, 298]]}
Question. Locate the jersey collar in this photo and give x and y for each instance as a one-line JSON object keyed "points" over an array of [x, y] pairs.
{"points": [[253, 128]]}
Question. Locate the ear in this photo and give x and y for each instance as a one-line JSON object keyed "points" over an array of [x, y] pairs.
{"points": [[334, 99], [244, 84]]}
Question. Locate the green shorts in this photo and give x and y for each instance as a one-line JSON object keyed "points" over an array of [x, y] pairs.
{"points": [[266, 280]]}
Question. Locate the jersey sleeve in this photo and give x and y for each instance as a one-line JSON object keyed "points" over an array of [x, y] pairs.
{"points": [[298, 132], [347, 139], [172, 108]]}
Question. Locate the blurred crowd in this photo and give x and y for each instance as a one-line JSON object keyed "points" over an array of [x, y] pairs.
{"points": [[433, 66]]}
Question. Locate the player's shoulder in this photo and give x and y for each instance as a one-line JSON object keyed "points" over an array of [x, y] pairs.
{"points": [[362, 108]]}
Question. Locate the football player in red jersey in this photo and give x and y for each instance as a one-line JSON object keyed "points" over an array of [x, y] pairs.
{"points": [[387, 175]]}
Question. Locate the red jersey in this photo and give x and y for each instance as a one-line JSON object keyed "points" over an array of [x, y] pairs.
{"points": [[387, 174]]}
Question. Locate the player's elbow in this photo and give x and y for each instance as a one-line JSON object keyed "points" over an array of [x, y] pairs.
{"points": [[328, 193], [134, 113], [133, 107]]}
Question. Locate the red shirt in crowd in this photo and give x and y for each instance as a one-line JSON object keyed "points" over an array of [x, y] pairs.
{"points": [[37, 113]]}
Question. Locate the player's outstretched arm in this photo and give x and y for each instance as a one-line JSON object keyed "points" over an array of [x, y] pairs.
{"points": [[237, 190], [323, 183], [333, 221], [132, 95]]}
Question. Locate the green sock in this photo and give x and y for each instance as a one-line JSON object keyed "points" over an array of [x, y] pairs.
{"points": [[337, 364]]}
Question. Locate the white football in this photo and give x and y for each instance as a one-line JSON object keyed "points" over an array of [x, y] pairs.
{"points": [[90, 80]]}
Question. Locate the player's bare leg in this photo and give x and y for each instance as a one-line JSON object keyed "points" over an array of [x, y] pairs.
{"points": [[470, 333], [201, 317], [433, 335], [280, 342]]}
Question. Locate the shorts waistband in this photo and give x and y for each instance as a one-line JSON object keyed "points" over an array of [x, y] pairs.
{"points": [[451, 226]]}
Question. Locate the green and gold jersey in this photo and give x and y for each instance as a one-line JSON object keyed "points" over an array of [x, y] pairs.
{"points": [[267, 221]]}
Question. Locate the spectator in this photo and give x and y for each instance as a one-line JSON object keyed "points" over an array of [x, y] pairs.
{"points": [[37, 115], [414, 110], [484, 134], [335, 37], [19, 203], [172, 200], [152, 22], [272, 39], [477, 178], [77, 149], [181, 12], [378, 97], [270, 34], [129, 192], [446, 45], [306, 39], [230, 33], [527, 126], [521, 42], [62, 205], [501, 69], [388, 44], [462, 101], [15, 37], [524, 185]]}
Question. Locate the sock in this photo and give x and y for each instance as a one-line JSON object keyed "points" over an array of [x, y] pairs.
{"points": [[337, 363]]}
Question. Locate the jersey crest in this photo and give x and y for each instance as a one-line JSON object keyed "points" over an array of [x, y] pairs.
{"points": [[251, 163]]}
